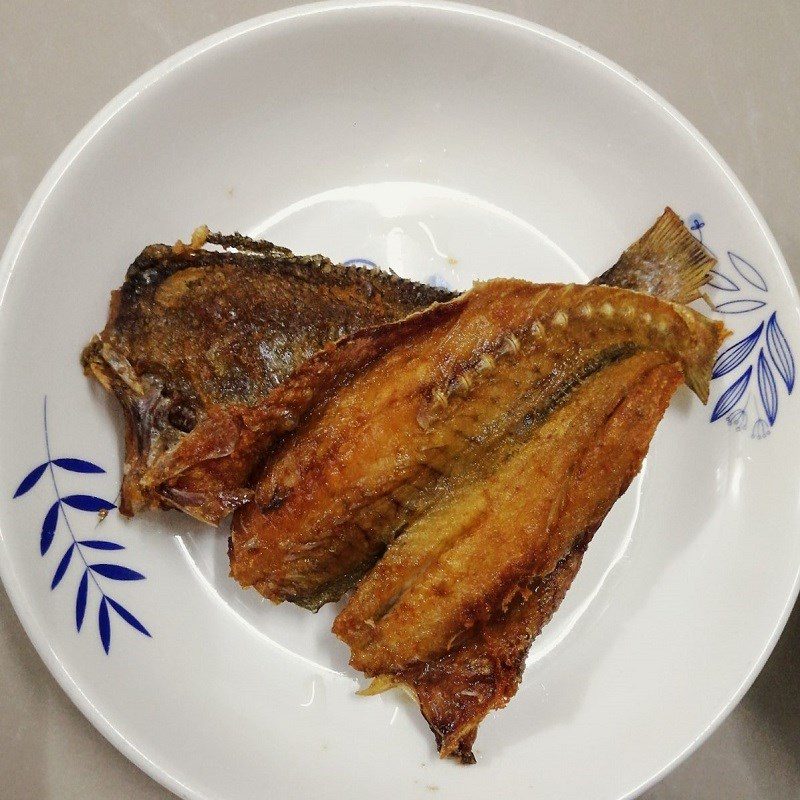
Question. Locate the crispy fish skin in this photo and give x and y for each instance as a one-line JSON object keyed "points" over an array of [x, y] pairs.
{"points": [[482, 673], [466, 557], [480, 669], [390, 441], [196, 338]]}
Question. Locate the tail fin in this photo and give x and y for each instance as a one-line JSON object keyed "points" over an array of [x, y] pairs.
{"points": [[667, 262]]}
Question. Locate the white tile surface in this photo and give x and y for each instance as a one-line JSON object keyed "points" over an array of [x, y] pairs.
{"points": [[730, 66]]}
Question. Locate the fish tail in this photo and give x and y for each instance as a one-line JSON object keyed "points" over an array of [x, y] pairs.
{"points": [[667, 262]]}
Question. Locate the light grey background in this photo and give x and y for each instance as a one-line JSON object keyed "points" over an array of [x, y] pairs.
{"points": [[733, 68]]}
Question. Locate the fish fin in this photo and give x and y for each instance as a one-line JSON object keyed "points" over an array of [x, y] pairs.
{"points": [[667, 262], [245, 244], [379, 277], [709, 339]]}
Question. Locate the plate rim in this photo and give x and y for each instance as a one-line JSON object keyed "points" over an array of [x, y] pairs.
{"points": [[25, 224]]}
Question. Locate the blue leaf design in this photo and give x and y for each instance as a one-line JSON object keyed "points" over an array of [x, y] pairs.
{"points": [[49, 528], [739, 306], [360, 262], [61, 569], [80, 600], [767, 388], [77, 465], [733, 356], [99, 544], [748, 271], [87, 502], [81, 502], [104, 624], [720, 281], [780, 352], [731, 396], [127, 616], [30, 480], [116, 572]]}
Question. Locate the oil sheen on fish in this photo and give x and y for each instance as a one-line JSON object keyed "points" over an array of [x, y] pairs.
{"points": [[495, 434], [198, 339], [446, 400], [575, 466]]}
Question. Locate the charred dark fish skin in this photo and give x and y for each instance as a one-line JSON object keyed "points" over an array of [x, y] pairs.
{"points": [[200, 336]]}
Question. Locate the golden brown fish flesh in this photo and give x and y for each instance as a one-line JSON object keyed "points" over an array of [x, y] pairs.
{"points": [[460, 674], [447, 398], [456, 691], [198, 338], [494, 433]]}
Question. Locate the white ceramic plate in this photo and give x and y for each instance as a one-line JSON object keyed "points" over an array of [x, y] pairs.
{"points": [[450, 143]]}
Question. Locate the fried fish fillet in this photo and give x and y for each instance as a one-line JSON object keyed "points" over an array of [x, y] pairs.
{"points": [[198, 339], [513, 518], [444, 399], [495, 434], [575, 467]]}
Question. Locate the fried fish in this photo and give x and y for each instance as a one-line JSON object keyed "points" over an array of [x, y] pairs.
{"points": [[440, 400], [198, 339], [459, 675], [456, 691], [494, 432]]}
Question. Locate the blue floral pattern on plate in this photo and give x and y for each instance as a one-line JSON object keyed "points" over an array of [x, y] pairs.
{"points": [[751, 364], [93, 572]]}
